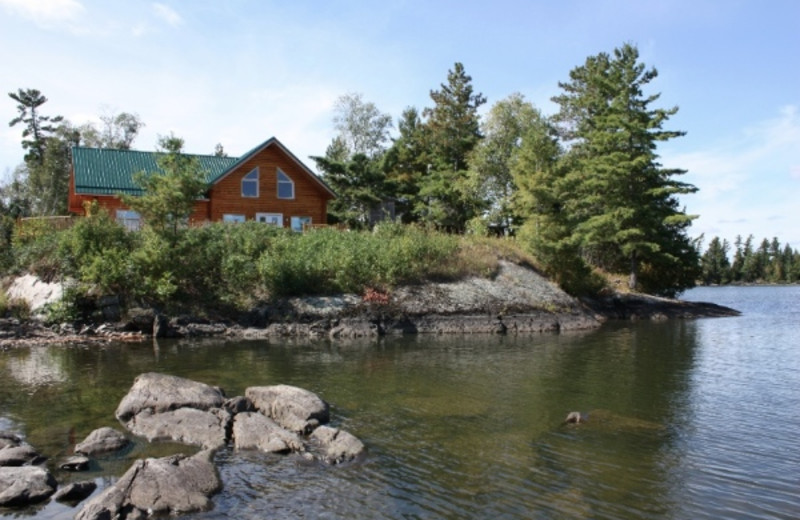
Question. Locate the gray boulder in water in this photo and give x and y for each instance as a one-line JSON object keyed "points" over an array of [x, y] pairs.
{"points": [[337, 445], [23, 485], [162, 393], [167, 486], [296, 409]]}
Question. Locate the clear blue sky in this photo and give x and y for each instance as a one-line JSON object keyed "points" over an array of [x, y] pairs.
{"points": [[238, 72]]}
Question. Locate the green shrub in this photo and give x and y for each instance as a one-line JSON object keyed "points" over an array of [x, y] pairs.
{"points": [[96, 250]]}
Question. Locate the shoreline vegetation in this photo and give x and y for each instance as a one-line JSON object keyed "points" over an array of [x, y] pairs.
{"points": [[255, 281]]}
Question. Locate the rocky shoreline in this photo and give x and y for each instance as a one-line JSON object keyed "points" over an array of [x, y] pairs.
{"points": [[518, 300]]}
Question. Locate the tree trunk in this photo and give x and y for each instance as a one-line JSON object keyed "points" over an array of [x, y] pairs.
{"points": [[632, 281]]}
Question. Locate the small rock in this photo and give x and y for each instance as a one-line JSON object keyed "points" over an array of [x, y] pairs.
{"points": [[76, 463], [102, 440], [338, 445], [238, 404]]}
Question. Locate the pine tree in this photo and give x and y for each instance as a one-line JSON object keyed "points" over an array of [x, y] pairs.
{"points": [[715, 264], [624, 206], [37, 127], [406, 162], [453, 130]]}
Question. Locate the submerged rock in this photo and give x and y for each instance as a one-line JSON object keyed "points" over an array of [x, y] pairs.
{"points": [[170, 485], [102, 440], [76, 463]]}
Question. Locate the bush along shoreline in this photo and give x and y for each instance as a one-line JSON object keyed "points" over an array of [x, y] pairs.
{"points": [[98, 281]]}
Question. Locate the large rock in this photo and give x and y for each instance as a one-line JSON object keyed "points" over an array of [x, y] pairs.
{"points": [[162, 393], [206, 428], [170, 485], [256, 431], [25, 485], [294, 408], [102, 440], [337, 445]]}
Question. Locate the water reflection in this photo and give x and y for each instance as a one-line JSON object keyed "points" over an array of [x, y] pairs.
{"points": [[38, 366]]}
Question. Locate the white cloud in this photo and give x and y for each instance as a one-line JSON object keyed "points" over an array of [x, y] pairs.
{"points": [[747, 182], [45, 13], [167, 14]]}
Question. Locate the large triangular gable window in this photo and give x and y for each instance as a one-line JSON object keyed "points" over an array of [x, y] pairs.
{"points": [[250, 184], [285, 186]]}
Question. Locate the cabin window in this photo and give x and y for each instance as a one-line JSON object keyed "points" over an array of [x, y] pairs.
{"points": [[300, 223], [130, 219], [231, 217], [285, 186], [250, 184], [274, 219]]}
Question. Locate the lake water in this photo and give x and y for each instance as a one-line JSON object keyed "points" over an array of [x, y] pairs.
{"points": [[687, 419]]}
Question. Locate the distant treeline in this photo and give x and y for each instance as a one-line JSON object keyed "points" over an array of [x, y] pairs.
{"points": [[770, 262]]}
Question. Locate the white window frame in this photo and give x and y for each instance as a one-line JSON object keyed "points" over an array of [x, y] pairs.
{"points": [[131, 220], [284, 181], [299, 223], [273, 219], [254, 172], [233, 217]]}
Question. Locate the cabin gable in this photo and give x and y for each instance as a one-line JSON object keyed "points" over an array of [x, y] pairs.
{"points": [[267, 184]]}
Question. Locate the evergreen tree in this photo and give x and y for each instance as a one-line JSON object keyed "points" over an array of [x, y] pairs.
{"points": [[623, 202], [169, 194], [751, 270], [37, 126], [360, 186], [715, 264], [737, 267], [406, 162], [453, 125], [774, 270]]}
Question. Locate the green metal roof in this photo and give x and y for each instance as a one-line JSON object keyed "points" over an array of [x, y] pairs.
{"points": [[103, 171]]}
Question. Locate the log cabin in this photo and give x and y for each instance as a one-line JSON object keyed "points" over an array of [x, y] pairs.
{"points": [[267, 184]]}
